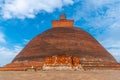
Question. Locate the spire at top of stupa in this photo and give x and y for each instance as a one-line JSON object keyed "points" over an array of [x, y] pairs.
{"points": [[63, 22]]}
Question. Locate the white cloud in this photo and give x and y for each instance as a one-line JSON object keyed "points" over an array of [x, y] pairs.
{"points": [[8, 54], [2, 36], [29, 8], [100, 3], [25, 41], [100, 13]]}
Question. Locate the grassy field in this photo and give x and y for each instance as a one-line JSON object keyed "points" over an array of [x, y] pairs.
{"points": [[60, 75]]}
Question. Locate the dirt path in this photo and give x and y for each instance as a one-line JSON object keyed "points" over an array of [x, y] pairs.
{"points": [[60, 75]]}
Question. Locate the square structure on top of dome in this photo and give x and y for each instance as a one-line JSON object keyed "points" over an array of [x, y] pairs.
{"points": [[63, 22]]}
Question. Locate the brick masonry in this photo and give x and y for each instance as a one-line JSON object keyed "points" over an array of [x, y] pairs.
{"points": [[63, 47]]}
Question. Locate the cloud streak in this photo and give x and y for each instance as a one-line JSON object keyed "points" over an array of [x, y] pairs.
{"points": [[2, 37], [29, 8], [8, 54]]}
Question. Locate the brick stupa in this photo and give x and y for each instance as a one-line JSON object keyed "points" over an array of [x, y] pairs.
{"points": [[63, 47]]}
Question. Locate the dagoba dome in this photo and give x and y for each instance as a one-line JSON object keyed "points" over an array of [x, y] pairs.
{"points": [[64, 41], [64, 46]]}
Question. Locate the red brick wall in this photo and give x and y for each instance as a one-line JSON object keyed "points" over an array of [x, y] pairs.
{"points": [[62, 23], [62, 60]]}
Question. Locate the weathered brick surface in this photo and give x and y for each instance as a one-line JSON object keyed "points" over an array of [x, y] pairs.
{"points": [[21, 66], [60, 41], [62, 62], [100, 66]]}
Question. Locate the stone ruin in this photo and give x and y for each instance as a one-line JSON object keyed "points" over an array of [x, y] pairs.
{"points": [[62, 63], [63, 47]]}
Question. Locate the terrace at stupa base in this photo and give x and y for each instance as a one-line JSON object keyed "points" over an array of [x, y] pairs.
{"points": [[60, 63], [63, 47]]}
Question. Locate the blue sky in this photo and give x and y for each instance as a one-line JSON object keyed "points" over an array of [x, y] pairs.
{"points": [[22, 20]]}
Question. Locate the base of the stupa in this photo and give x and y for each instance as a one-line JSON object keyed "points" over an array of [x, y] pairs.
{"points": [[22, 66], [37, 66]]}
